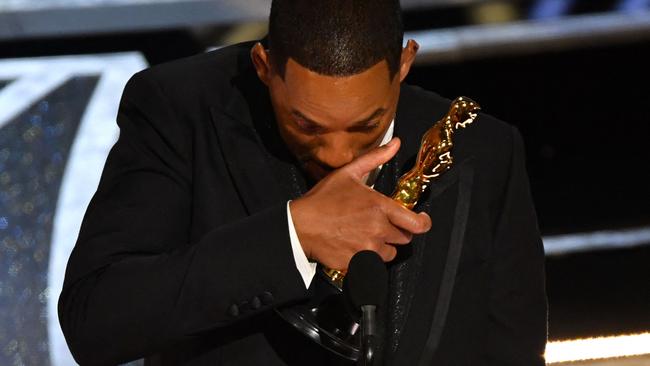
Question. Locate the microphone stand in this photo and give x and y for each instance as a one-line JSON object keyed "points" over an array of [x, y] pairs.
{"points": [[368, 335]]}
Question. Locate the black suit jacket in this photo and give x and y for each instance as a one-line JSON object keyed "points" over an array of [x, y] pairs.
{"points": [[184, 250]]}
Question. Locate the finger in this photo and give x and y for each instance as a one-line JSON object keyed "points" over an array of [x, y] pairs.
{"points": [[398, 236], [369, 161], [403, 218], [387, 252]]}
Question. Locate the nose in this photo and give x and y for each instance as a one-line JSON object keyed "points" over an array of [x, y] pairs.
{"points": [[334, 152]]}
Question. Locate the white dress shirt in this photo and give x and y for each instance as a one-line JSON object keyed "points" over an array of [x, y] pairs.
{"points": [[307, 268]]}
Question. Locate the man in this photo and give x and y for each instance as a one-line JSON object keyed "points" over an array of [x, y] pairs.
{"points": [[190, 242]]}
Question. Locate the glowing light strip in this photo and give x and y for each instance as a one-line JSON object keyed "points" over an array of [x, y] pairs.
{"points": [[20, 94], [479, 41], [598, 348], [597, 240]]}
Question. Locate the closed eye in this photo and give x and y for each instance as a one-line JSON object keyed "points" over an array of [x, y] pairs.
{"points": [[366, 128], [308, 127]]}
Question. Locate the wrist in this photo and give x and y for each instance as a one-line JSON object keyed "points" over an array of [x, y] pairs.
{"points": [[297, 213]]}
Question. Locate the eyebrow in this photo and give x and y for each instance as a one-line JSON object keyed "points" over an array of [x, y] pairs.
{"points": [[361, 123]]}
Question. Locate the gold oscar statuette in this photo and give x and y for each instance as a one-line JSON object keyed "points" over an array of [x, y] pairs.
{"points": [[434, 158]]}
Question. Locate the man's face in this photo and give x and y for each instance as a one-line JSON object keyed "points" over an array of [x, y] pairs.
{"points": [[327, 121]]}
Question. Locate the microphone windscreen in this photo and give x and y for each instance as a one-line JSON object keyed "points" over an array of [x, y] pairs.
{"points": [[366, 282]]}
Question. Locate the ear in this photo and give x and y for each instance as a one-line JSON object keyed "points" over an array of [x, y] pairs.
{"points": [[408, 56], [262, 62]]}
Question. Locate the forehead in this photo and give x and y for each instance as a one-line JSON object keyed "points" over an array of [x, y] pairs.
{"points": [[344, 96]]}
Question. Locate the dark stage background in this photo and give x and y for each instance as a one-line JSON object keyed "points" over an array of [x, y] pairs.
{"points": [[573, 76]]}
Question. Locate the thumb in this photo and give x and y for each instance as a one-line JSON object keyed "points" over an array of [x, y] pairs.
{"points": [[367, 162]]}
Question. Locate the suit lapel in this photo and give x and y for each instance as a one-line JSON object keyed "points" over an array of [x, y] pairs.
{"points": [[430, 262], [247, 164], [406, 271], [263, 171], [461, 214]]}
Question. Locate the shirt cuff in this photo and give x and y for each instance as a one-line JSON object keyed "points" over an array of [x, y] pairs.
{"points": [[306, 268]]}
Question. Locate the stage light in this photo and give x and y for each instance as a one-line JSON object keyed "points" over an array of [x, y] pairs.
{"points": [[26, 96], [598, 348], [633, 5], [548, 9], [596, 240]]}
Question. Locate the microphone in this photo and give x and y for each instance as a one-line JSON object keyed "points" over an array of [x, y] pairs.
{"points": [[366, 286]]}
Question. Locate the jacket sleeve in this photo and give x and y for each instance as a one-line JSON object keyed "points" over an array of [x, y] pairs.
{"points": [[517, 306], [134, 283]]}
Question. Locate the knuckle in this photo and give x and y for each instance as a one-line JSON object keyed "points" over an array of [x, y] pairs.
{"points": [[400, 237], [376, 207], [376, 247], [376, 228], [370, 245]]}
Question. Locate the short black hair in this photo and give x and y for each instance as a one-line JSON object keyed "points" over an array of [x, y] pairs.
{"points": [[336, 37]]}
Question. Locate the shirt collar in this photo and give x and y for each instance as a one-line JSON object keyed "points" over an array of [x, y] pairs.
{"points": [[388, 135]]}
